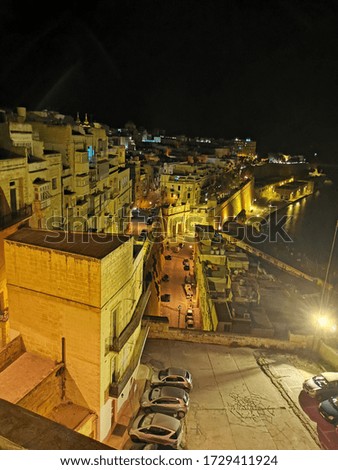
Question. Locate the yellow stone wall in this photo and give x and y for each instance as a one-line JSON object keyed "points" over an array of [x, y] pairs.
{"points": [[14, 170], [54, 294], [54, 273], [44, 397], [50, 295], [43, 320]]}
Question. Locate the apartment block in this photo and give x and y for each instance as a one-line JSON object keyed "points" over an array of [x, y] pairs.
{"points": [[80, 298]]}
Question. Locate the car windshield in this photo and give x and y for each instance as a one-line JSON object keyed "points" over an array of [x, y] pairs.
{"points": [[320, 381], [146, 421], [163, 373]]}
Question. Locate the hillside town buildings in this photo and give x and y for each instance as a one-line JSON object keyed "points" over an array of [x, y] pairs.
{"points": [[87, 216]]}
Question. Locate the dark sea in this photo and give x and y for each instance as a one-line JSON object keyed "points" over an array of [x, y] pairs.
{"points": [[311, 225]]}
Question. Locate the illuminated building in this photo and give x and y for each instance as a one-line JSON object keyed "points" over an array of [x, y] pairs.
{"points": [[225, 290], [80, 297], [96, 185]]}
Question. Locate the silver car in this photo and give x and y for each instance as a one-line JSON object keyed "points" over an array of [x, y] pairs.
{"points": [[173, 376], [322, 385], [156, 428], [169, 400]]}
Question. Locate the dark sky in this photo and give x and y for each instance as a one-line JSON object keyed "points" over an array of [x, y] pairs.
{"points": [[261, 69]]}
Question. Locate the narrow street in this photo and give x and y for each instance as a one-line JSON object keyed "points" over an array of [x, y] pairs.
{"points": [[179, 302]]}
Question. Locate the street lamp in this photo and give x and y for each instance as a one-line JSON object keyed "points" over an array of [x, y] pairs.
{"points": [[323, 321], [179, 308], [328, 268]]}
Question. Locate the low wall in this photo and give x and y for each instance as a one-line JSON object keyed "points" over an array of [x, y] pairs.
{"points": [[9, 353], [161, 330], [329, 355], [45, 396]]}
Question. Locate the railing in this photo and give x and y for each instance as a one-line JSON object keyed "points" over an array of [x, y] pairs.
{"points": [[116, 344], [15, 217], [119, 382]]}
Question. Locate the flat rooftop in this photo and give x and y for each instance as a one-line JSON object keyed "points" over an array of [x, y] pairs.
{"points": [[23, 375], [92, 245], [69, 414]]}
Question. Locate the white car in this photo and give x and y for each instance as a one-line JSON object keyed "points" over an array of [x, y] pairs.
{"points": [[156, 428], [323, 385], [172, 376]]}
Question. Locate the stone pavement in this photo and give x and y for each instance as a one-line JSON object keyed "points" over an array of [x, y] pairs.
{"points": [[175, 287], [234, 403]]}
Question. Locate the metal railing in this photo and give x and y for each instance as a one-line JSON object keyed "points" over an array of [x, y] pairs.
{"points": [[117, 343], [120, 381]]}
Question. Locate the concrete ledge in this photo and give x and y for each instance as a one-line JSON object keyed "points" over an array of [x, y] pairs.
{"points": [[224, 339], [12, 351], [328, 354]]}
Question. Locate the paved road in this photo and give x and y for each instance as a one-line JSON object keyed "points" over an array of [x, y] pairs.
{"points": [[236, 403], [175, 287]]}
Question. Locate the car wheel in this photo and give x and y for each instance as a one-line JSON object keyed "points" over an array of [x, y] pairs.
{"points": [[180, 414]]}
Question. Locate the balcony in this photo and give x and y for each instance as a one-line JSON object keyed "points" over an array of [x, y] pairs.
{"points": [[120, 381], [42, 204], [116, 344], [15, 217]]}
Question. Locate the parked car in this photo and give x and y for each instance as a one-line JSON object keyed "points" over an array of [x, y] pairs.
{"points": [[329, 410], [174, 376], [189, 313], [168, 400], [186, 267], [167, 257], [185, 262], [189, 280], [165, 278], [143, 446], [156, 428], [322, 386], [189, 322], [165, 298]]}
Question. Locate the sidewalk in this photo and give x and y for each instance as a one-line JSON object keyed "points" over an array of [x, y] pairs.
{"points": [[120, 435]]}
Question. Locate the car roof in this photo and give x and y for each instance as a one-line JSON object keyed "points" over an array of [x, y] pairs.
{"points": [[174, 392], [175, 371], [169, 422], [330, 376]]}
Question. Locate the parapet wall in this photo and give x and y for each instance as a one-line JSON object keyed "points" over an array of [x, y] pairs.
{"points": [[161, 330]]}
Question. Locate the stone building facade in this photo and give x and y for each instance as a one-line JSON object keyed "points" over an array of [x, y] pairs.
{"points": [[86, 291]]}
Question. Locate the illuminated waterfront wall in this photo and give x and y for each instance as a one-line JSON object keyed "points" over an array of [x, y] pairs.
{"points": [[241, 199]]}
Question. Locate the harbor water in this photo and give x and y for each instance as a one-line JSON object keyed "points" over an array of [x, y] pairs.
{"points": [[310, 226]]}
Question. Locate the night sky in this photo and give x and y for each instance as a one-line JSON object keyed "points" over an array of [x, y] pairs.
{"points": [[261, 69]]}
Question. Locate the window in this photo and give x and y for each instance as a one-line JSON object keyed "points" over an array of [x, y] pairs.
{"points": [[158, 431], [54, 183]]}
